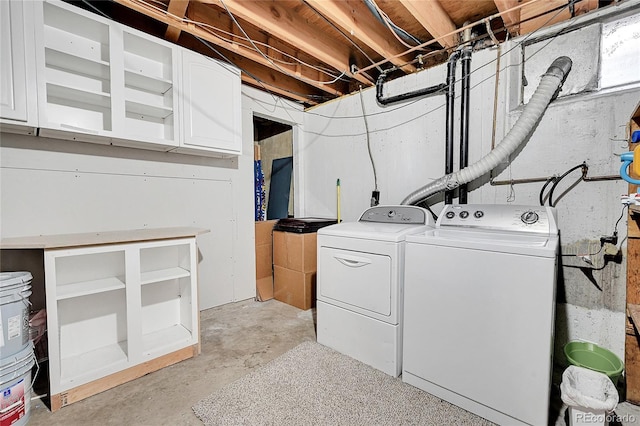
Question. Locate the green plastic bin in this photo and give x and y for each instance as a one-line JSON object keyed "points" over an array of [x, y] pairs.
{"points": [[593, 357]]}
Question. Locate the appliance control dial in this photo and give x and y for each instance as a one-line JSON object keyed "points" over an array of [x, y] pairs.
{"points": [[529, 217], [392, 213], [464, 214], [450, 215], [478, 214]]}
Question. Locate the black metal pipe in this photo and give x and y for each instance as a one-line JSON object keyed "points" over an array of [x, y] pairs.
{"points": [[464, 118], [427, 91], [448, 142]]}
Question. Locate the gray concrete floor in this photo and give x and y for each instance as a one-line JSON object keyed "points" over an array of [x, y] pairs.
{"points": [[236, 338]]}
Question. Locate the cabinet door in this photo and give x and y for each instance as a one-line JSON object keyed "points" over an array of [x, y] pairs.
{"points": [[211, 106], [17, 81]]}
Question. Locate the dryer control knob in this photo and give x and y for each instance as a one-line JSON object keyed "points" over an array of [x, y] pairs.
{"points": [[392, 213], [450, 215], [529, 217], [464, 214]]}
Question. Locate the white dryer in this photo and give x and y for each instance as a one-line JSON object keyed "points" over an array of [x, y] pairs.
{"points": [[360, 284], [479, 310]]}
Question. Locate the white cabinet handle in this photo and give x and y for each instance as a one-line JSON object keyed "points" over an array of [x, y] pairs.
{"points": [[352, 261]]}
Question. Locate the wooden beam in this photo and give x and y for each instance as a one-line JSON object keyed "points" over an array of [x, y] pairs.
{"points": [[177, 8], [434, 19], [510, 19], [541, 14], [282, 23], [247, 52], [260, 76], [353, 18]]}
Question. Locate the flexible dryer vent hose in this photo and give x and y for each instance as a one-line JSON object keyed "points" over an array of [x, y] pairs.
{"points": [[546, 91]]}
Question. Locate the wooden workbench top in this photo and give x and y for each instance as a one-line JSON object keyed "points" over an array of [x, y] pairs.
{"points": [[98, 238]]}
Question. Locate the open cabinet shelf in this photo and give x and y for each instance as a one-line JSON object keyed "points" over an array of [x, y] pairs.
{"points": [[119, 305]]}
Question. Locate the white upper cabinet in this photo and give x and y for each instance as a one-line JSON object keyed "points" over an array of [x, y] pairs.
{"points": [[80, 76], [211, 107], [150, 71], [18, 103], [75, 73]]}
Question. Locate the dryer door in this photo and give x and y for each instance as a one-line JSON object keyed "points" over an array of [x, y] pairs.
{"points": [[356, 280]]}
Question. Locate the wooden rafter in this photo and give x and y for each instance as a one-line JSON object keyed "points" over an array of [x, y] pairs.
{"points": [[290, 27], [433, 18], [245, 51], [353, 18], [177, 8], [511, 19]]}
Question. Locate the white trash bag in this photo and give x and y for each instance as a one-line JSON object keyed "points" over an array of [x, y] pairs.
{"points": [[586, 388]]}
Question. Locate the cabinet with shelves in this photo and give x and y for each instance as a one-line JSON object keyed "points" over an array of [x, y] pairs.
{"points": [[150, 102], [18, 93], [119, 305], [75, 81]]}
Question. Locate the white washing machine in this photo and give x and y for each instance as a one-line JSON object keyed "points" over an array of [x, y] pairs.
{"points": [[360, 284], [479, 310]]}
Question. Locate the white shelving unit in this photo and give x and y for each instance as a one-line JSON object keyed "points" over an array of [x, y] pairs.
{"points": [[76, 85], [119, 305], [150, 101], [92, 79]]}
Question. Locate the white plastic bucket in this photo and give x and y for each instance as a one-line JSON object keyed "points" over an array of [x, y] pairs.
{"points": [[15, 289], [15, 387]]}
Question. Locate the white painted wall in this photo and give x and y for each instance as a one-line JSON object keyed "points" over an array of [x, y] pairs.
{"points": [[50, 186], [407, 143]]}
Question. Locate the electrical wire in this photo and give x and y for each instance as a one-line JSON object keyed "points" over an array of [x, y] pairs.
{"points": [[393, 28], [335, 27], [286, 72], [366, 126], [214, 31]]}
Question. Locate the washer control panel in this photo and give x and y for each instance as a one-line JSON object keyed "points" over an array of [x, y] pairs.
{"points": [[411, 215], [502, 217]]}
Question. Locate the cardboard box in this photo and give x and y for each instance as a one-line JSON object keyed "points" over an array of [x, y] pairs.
{"points": [[293, 251], [264, 260], [294, 288], [264, 288]]}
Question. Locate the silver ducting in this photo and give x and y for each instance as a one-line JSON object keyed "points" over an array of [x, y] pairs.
{"points": [[546, 91]]}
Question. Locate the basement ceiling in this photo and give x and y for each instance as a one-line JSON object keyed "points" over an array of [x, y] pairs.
{"points": [[312, 51]]}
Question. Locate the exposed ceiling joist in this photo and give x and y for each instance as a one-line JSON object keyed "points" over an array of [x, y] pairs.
{"points": [[247, 52], [285, 24], [177, 8], [512, 17], [354, 19], [434, 18], [315, 50]]}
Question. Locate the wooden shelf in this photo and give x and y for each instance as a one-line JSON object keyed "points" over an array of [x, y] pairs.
{"points": [[86, 288], [163, 275]]}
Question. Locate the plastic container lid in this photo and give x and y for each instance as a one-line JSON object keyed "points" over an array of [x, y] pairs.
{"points": [[591, 356], [305, 225], [13, 279]]}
